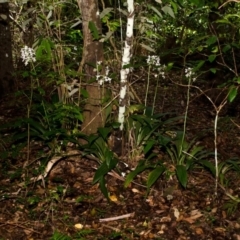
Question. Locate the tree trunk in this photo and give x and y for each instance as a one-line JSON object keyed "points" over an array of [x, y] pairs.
{"points": [[123, 102], [6, 63], [92, 54]]}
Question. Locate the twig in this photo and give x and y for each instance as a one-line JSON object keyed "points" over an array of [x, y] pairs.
{"points": [[112, 228], [52, 162], [237, 1], [56, 159], [6, 196], [17, 225], [117, 218], [235, 124], [217, 109]]}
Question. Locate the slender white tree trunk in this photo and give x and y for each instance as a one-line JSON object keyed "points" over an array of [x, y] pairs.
{"points": [[125, 61]]}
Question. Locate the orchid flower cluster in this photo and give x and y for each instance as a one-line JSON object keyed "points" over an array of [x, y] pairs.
{"points": [[189, 73], [28, 55], [155, 61], [102, 78]]}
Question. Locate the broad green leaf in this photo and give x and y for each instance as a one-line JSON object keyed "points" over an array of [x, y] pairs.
{"points": [[152, 155], [226, 48], [171, 154], [168, 10], [225, 168], [237, 79], [213, 70], [101, 171], [113, 163], [79, 116], [21, 136], [144, 135], [235, 164], [136, 108], [196, 2], [208, 165], [103, 188], [108, 157], [148, 111], [199, 65], [232, 93], [49, 14], [169, 66], [204, 154], [155, 10], [140, 168], [182, 175], [196, 149], [174, 6], [116, 125], [108, 111], [215, 49], [91, 139], [105, 12], [148, 146], [101, 148], [211, 40], [212, 57], [147, 47], [224, 20], [153, 176], [106, 36], [44, 50], [163, 140], [76, 23], [180, 146], [36, 125], [93, 30], [104, 132], [189, 163]]}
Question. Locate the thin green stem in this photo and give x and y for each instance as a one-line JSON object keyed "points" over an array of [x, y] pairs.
{"points": [[185, 119], [28, 126], [43, 104], [148, 83], [155, 95]]}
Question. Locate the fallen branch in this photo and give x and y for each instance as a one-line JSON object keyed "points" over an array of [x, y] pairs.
{"points": [[53, 161], [117, 218]]}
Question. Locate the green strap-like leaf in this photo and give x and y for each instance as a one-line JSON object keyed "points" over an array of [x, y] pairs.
{"points": [[140, 168], [103, 187], [104, 132], [182, 175], [209, 166], [103, 169], [101, 172], [148, 146], [232, 93], [153, 176]]}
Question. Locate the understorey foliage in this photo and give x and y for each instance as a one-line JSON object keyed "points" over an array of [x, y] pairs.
{"points": [[153, 53]]}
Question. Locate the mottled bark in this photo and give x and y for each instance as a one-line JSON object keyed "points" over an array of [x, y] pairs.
{"points": [[92, 53], [125, 61], [6, 63]]}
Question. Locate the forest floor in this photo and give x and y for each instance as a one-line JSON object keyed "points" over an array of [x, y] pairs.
{"points": [[66, 205]]}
